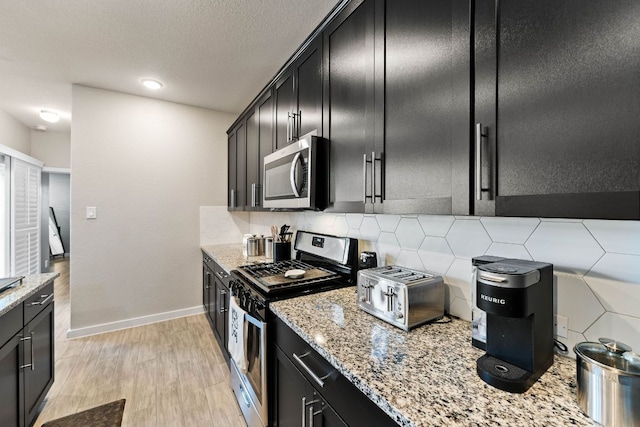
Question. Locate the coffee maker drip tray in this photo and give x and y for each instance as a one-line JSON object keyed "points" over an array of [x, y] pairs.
{"points": [[504, 375]]}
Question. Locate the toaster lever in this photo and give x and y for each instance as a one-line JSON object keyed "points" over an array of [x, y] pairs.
{"points": [[390, 294]]}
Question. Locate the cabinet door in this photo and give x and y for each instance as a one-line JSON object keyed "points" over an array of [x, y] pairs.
{"points": [[38, 377], [237, 157], [221, 307], [290, 387], [11, 383], [208, 297], [323, 414], [265, 118], [252, 166], [427, 93], [308, 88], [349, 103], [284, 108], [557, 87]]}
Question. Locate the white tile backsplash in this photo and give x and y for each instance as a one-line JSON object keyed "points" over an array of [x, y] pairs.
{"points": [[596, 262], [568, 245]]}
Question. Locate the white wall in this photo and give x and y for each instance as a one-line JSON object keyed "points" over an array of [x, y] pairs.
{"points": [[53, 148], [147, 166], [14, 134]]}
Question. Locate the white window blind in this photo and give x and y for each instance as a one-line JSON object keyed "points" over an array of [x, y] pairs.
{"points": [[25, 218]]}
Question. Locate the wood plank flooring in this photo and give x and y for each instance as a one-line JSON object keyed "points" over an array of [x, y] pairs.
{"points": [[171, 373]]}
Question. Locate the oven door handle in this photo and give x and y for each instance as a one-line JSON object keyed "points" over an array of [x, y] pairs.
{"points": [[304, 366], [292, 174]]}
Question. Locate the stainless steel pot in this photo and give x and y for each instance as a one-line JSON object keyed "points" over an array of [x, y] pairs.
{"points": [[608, 382]]}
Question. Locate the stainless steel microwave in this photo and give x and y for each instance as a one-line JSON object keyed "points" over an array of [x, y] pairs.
{"points": [[296, 176]]}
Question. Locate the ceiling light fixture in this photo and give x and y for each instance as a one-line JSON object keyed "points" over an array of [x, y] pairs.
{"points": [[49, 116], [41, 128], [151, 84]]}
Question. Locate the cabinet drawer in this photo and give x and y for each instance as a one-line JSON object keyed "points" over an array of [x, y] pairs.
{"points": [[10, 324], [351, 404], [35, 303]]}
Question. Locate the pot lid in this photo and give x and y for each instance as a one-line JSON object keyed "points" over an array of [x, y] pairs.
{"points": [[609, 353]]}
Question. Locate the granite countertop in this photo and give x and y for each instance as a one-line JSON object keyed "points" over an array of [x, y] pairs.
{"points": [[29, 286], [426, 376], [230, 256]]}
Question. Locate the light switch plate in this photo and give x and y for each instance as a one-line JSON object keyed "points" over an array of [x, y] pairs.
{"points": [[91, 212], [560, 326]]}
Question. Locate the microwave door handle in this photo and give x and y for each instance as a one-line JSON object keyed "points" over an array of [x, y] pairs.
{"points": [[292, 175]]}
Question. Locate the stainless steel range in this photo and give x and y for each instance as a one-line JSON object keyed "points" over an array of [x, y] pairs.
{"points": [[322, 263]]}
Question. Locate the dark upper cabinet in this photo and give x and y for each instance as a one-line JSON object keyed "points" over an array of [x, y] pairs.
{"points": [[237, 158], [556, 108], [349, 104], [298, 97], [422, 167], [260, 127]]}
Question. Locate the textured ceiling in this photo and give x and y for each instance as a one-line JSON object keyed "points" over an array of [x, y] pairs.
{"points": [[216, 54]]}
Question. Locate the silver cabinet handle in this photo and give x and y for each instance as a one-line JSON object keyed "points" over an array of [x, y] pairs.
{"points": [[253, 195], [298, 123], [32, 364], [304, 411], [364, 178], [208, 286], [478, 159], [373, 177], [233, 198], [44, 301], [313, 375], [221, 306], [289, 127], [310, 416], [220, 274], [292, 175]]}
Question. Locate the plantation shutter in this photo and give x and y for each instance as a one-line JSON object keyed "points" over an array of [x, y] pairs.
{"points": [[25, 218]]}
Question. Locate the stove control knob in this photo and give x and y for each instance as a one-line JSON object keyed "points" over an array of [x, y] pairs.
{"points": [[259, 305], [399, 315]]}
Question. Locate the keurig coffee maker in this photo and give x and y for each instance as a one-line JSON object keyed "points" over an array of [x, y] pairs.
{"points": [[479, 317], [517, 297]]}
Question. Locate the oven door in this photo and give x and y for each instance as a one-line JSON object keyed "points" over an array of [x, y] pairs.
{"points": [[288, 175], [250, 387]]}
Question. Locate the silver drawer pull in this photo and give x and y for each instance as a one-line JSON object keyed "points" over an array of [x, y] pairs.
{"points": [[315, 377], [44, 301]]}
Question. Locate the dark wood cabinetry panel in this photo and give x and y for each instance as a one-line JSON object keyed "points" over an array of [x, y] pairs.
{"points": [[557, 87], [284, 106], [308, 87], [252, 165], [349, 104], [237, 164], [426, 99], [26, 361], [39, 377]]}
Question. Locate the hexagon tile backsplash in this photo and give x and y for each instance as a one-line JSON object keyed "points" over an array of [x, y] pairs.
{"points": [[596, 262]]}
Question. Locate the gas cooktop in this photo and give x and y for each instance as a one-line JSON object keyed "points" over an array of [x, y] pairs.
{"points": [[271, 276]]}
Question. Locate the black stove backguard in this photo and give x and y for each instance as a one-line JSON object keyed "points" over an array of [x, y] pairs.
{"points": [[517, 296]]}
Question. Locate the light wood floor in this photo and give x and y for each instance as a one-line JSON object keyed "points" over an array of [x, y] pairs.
{"points": [[171, 373]]}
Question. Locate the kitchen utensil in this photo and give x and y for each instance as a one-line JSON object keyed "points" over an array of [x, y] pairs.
{"points": [[281, 251], [268, 247], [294, 274], [608, 379]]}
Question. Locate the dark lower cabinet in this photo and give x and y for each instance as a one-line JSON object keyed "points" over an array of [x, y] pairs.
{"points": [[215, 299], [556, 108], [306, 390], [27, 360]]}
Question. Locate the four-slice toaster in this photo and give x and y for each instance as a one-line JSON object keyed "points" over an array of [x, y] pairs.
{"points": [[403, 297]]}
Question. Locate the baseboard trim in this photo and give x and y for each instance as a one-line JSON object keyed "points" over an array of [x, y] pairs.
{"points": [[130, 323]]}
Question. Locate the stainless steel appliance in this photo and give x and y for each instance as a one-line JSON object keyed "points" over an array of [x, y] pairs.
{"points": [[517, 297], [296, 176], [327, 262], [403, 297], [608, 376]]}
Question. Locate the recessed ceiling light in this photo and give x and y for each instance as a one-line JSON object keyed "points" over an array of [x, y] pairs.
{"points": [[41, 128], [49, 116], [151, 84]]}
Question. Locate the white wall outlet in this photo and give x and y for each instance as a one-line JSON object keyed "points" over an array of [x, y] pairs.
{"points": [[91, 212], [561, 326]]}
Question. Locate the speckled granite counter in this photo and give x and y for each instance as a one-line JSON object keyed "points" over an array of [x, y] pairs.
{"points": [[425, 377], [29, 286], [230, 256]]}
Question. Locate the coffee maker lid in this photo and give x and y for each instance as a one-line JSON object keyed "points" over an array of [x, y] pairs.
{"points": [[508, 275]]}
